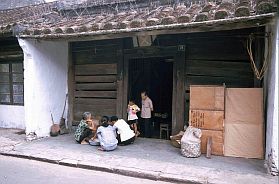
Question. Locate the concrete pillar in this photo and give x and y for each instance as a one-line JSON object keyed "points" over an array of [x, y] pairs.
{"points": [[271, 88]]}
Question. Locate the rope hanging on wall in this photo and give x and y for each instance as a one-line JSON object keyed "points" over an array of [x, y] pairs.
{"points": [[258, 73]]}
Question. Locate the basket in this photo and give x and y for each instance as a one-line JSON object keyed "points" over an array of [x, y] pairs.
{"points": [[176, 143]]}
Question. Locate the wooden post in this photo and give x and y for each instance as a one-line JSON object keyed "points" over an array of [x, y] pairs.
{"points": [[120, 70], [208, 147], [125, 87], [259, 48], [180, 90], [71, 83]]}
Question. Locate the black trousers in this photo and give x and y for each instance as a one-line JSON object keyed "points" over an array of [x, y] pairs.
{"points": [[147, 127], [129, 141], [124, 143], [87, 133]]}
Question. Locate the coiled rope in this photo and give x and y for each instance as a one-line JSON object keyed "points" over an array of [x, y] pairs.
{"points": [[258, 73]]}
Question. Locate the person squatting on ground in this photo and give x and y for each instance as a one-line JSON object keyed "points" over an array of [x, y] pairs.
{"points": [[86, 129], [132, 116], [126, 135], [146, 109], [107, 135]]}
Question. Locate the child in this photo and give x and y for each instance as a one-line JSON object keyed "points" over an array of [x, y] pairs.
{"points": [[132, 116], [85, 129], [106, 135], [127, 136], [94, 141]]}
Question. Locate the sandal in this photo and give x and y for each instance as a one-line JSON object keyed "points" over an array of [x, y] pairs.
{"points": [[101, 149]]}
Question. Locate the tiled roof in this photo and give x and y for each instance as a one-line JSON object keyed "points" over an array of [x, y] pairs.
{"points": [[48, 19], [10, 4]]}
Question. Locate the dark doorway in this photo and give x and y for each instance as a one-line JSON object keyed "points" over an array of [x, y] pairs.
{"points": [[154, 75]]}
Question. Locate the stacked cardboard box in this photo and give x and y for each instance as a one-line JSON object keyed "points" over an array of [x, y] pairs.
{"points": [[207, 113]]}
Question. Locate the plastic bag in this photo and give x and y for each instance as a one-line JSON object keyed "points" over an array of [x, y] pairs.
{"points": [[191, 142]]}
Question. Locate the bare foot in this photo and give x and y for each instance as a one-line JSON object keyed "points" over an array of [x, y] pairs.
{"points": [[137, 134], [84, 142]]}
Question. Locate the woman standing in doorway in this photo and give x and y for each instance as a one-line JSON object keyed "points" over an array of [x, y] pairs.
{"points": [[146, 109]]}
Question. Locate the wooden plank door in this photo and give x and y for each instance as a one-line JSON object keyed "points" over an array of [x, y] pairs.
{"points": [[96, 76]]}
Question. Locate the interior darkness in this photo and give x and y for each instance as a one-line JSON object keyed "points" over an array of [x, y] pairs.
{"points": [[154, 75]]}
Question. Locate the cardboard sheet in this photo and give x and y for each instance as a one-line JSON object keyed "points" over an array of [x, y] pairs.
{"points": [[244, 122], [205, 119], [217, 141], [244, 106], [244, 140], [207, 97]]}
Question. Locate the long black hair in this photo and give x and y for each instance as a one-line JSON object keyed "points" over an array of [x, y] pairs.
{"points": [[104, 121]]}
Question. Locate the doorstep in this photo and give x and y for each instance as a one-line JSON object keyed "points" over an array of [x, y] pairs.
{"points": [[147, 158]]}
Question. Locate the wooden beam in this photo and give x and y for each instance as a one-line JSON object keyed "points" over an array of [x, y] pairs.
{"points": [[15, 56], [105, 78], [96, 69], [11, 52], [95, 101], [96, 94], [96, 86]]}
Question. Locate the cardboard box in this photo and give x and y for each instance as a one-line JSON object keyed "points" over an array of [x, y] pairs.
{"points": [[207, 97], [244, 123], [205, 119], [217, 142]]}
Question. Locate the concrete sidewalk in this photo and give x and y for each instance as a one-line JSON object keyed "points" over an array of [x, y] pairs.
{"points": [[146, 158]]}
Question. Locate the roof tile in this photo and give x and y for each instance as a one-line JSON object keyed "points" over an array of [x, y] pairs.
{"points": [[46, 19]]}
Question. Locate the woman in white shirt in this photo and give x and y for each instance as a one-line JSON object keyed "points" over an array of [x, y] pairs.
{"points": [[127, 136], [106, 135]]}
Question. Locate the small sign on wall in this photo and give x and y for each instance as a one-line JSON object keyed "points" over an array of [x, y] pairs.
{"points": [[143, 41]]}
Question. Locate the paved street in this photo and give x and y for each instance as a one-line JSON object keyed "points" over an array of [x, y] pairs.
{"points": [[22, 171], [146, 158]]}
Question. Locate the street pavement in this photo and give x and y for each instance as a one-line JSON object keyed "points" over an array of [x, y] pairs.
{"points": [[22, 171], [146, 158]]}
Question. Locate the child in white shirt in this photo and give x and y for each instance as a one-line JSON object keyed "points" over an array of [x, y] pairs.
{"points": [[132, 116]]}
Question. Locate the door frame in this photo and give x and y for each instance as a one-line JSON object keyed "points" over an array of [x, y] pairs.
{"points": [[178, 94]]}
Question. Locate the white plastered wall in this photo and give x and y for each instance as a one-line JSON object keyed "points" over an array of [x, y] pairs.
{"points": [[271, 88], [12, 116], [45, 83]]}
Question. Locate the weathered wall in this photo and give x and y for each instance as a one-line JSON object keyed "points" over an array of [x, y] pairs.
{"points": [[272, 101], [45, 83], [12, 116]]}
